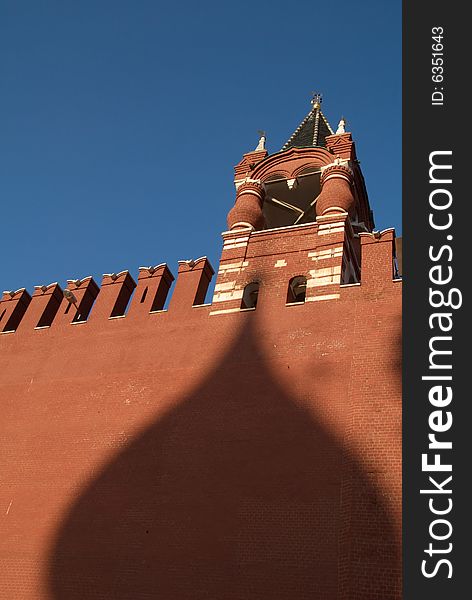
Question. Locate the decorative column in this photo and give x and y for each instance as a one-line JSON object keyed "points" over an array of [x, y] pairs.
{"points": [[247, 211], [336, 191]]}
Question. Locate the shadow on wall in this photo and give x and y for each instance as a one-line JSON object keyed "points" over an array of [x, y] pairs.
{"points": [[235, 495]]}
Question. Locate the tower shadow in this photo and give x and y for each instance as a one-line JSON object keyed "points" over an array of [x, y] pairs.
{"points": [[236, 494]]}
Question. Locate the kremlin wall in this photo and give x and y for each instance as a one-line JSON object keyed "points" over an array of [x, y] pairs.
{"points": [[155, 445]]}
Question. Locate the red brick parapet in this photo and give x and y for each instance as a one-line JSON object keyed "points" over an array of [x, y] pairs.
{"points": [[115, 292], [248, 164], [13, 307], [43, 308], [193, 279], [341, 145], [377, 255], [79, 297], [151, 293]]}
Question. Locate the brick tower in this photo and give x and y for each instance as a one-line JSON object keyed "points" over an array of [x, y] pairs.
{"points": [[245, 449]]}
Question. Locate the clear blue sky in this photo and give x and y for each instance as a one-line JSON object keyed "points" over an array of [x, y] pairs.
{"points": [[121, 120]]}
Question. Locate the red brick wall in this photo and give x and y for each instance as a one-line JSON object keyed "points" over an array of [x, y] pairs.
{"points": [[204, 452]]}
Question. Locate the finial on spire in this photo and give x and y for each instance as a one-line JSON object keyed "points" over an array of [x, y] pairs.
{"points": [[313, 130], [316, 100], [341, 126], [262, 140]]}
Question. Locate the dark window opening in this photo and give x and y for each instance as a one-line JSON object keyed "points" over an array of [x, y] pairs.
{"points": [[143, 297], [396, 269], [291, 201], [347, 273], [3, 312], [250, 295], [296, 289]]}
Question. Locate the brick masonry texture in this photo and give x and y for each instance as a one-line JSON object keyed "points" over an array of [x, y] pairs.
{"points": [[204, 451]]}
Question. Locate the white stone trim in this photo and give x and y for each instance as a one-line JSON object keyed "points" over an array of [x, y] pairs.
{"points": [[224, 312], [236, 265], [231, 246], [242, 225], [337, 176], [43, 288], [249, 191], [334, 270], [239, 182], [326, 297], [223, 287], [372, 233], [339, 161], [280, 263], [335, 224], [333, 210], [329, 230], [235, 240], [321, 281], [327, 276], [329, 218], [225, 296], [326, 254], [299, 226]]}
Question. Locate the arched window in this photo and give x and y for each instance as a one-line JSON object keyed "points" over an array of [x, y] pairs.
{"points": [[296, 289], [250, 294]]}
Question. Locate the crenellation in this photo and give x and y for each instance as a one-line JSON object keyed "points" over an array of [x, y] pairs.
{"points": [[272, 260], [273, 412], [12, 308], [152, 290], [79, 296], [113, 297], [44, 305], [192, 284], [377, 258]]}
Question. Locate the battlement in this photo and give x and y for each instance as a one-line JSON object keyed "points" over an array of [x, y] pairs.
{"points": [[249, 443], [289, 266]]}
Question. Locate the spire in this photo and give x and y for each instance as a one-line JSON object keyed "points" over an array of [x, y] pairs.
{"points": [[341, 126], [313, 130], [262, 141]]}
